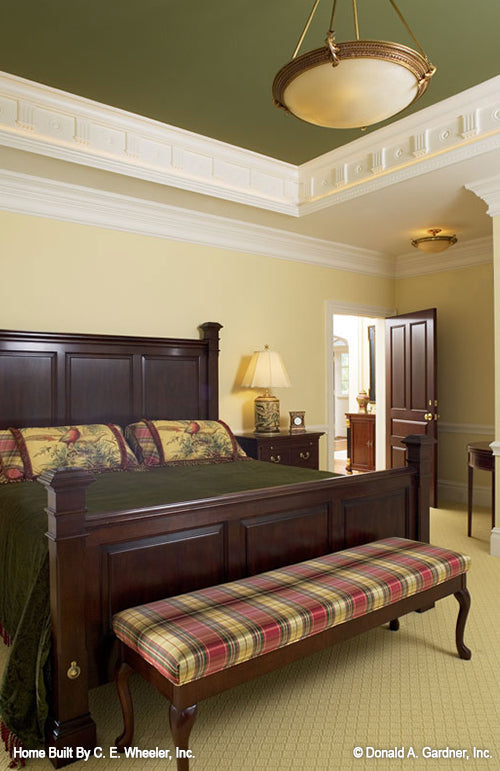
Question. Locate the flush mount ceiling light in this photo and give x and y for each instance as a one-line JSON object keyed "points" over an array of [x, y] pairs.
{"points": [[434, 243], [352, 84]]}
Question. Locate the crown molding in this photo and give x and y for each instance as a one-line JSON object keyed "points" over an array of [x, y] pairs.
{"points": [[54, 123], [26, 194], [46, 121], [462, 255], [455, 129], [489, 191], [43, 197]]}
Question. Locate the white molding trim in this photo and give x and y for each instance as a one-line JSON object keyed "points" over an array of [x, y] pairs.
{"points": [[478, 251], [356, 309], [46, 121], [429, 139], [495, 448], [26, 194], [489, 191], [495, 542], [467, 428]]}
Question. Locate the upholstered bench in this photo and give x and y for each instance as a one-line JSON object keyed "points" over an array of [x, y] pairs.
{"points": [[195, 645]]}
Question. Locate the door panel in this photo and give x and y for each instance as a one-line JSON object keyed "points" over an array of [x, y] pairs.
{"points": [[411, 385]]}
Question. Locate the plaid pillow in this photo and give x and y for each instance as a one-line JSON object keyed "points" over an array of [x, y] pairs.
{"points": [[96, 447], [11, 463], [166, 442]]}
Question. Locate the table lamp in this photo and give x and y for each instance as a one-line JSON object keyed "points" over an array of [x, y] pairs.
{"points": [[266, 370]]}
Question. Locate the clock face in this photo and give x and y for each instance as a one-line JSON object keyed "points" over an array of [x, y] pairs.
{"points": [[297, 421]]}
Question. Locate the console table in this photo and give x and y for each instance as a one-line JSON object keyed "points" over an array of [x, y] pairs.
{"points": [[480, 456]]}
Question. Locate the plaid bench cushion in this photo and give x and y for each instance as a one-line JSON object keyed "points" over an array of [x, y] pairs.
{"points": [[197, 634]]}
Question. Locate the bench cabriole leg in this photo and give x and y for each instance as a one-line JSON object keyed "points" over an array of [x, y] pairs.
{"points": [[181, 723], [463, 598], [121, 679]]}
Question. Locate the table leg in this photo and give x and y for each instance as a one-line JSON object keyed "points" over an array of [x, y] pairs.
{"points": [[469, 500]]}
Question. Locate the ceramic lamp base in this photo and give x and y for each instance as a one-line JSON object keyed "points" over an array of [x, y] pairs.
{"points": [[267, 414]]}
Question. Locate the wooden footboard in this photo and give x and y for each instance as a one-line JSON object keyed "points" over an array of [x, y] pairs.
{"points": [[103, 563]]}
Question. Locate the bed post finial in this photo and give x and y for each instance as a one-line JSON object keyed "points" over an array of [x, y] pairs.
{"points": [[70, 723], [419, 455]]}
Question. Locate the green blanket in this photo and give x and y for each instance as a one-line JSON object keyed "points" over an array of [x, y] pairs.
{"points": [[24, 579]]}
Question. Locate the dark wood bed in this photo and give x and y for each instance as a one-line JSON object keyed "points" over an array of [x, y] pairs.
{"points": [[101, 563]]}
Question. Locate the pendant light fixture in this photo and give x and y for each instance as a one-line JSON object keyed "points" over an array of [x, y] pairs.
{"points": [[352, 84]]}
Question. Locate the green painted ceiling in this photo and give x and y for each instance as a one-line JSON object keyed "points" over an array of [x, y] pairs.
{"points": [[208, 66]]}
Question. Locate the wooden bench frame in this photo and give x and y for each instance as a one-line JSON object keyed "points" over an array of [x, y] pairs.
{"points": [[184, 698]]}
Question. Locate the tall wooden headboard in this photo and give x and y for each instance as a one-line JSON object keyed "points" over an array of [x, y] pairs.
{"points": [[49, 379]]}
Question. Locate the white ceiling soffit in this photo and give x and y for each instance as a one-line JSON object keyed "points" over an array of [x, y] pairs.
{"points": [[54, 123]]}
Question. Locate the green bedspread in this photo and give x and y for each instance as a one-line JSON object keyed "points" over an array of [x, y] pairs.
{"points": [[24, 579]]}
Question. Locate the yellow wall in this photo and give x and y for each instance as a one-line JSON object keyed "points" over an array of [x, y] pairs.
{"points": [[464, 302], [67, 277]]}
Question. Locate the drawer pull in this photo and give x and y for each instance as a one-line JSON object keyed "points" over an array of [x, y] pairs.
{"points": [[275, 458], [305, 455]]}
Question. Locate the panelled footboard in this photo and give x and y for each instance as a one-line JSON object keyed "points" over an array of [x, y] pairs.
{"points": [[103, 563]]}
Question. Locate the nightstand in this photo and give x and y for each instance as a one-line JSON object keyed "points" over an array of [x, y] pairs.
{"points": [[285, 448]]}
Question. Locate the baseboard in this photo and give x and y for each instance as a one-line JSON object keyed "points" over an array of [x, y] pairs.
{"points": [[456, 492]]}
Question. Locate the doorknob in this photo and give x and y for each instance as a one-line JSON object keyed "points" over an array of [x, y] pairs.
{"points": [[428, 416]]}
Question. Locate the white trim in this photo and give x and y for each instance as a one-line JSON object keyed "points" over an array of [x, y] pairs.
{"points": [[456, 492], [43, 197], [47, 121], [495, 448], [464, 255], [466, 428], [489, 191], [333, 307], [356, 309], [26, 194], [495, 542], [429, 139]]}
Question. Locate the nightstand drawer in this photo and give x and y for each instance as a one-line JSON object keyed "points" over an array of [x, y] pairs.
{"points": [[305, 455], [276, 453]]}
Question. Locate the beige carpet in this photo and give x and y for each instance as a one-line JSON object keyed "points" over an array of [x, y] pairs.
{"points": [[382, 690]]}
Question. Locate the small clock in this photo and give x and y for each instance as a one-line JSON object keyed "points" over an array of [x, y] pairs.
{"points": [[297, 423]]}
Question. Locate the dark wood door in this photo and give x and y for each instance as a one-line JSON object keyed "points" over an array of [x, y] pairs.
{"points": [[411, 385]]}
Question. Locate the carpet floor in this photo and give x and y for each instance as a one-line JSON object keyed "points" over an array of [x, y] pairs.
{"points": [[406, 692]]}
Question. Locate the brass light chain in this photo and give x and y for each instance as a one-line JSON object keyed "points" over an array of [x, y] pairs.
{"points": [[408, 29], [330, 37], [304, 31]]}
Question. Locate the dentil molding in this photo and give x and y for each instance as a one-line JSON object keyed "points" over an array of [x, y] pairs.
{"points": [[54, 123]]}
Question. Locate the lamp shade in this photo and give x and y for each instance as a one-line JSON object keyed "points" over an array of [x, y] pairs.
{"points": [[266, 370]]}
